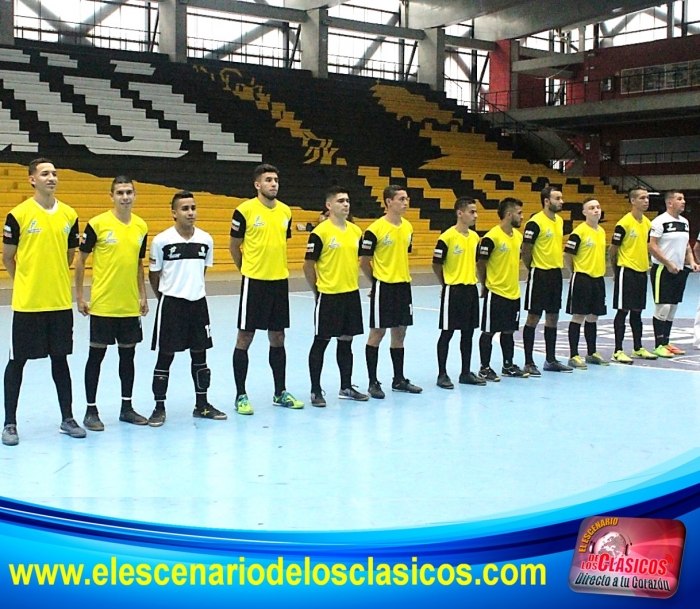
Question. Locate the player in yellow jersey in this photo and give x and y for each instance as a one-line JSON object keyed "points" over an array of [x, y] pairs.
{"points": [[39, 243], [585, 254], [384, 261], [260, 228], [498, 269], [332, 272], [543, 255], [629, 258], [454, 264], [117, 241]]}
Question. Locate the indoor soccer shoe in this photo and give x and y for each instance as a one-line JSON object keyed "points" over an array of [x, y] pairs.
{"points": [[662, 351], [644, 354], [243, 405], [622, 358], [470, 378], [576, 361], [317, 399], [209, 412], [444, 382], [352, 394], [71, 428], [287, 400], [674, 350], [514, 372], [532, 370], [157, 418], [10, 436], [556, 366], [405, 386], [375, 390], [597, 359], [133, 417], [92, 421], [489, 374]]}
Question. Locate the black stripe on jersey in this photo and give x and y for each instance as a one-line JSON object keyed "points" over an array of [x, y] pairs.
{"points": [[485, 248], [675, 227], [532, 231], [10, 235], [618, 235], [572, 244], [313, 247], [74, 236], [89, 240], [440, 252], [185, 251]]}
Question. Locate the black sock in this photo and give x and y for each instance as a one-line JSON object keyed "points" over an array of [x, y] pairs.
{"points": [[343, 355], [126, 375], [465, 349], [528, 343], [658, 332], [574, 336], [372, 358], [667, 332], [13, 382], [318, 348], [485, 349], [240, 370], [197, 365], [92, 373], [443, 349], [161, 375], [619, 325], [636, 325], [61, 378], [278, 363], [507, 348], [550, 343], [590, 331], [397, 362]]}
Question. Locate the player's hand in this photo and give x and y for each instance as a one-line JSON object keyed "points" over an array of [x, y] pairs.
{"points": [[696, 267], [144, 307], [83, 307], [672, 268]]}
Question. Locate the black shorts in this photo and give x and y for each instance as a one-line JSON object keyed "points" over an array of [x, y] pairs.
{"points": [[181, 324], [500, 314], [459, 307], [586, 295], [666, 287], [543, 291], [263, 305], [338, 315], [41, 334], [120, 330], [630, 291], [390, 305]]}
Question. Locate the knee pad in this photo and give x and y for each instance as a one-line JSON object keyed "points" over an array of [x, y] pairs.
{"points": [[202, 379], [160, 383]]}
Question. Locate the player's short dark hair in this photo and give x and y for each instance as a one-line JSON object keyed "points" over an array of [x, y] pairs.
{"points": [[264, 168], [180, 194], [462, 202], [33, 164], [120, 180], [546, 192], [633, 192], [588, 200], [391, 190], [335, 190], [508, 204], [668, 195]]}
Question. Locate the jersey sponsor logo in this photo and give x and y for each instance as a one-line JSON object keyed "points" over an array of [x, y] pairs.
{"points": [[503, 247], [285, 222], [549, 234], [202, 252], [633, 234], [571, 244], [34, 228], [151, 259], [334, 245], [458, 249], [484, 250], [589, 242], [110, 238], [173, 254], [387, 240], [259, 222], [66, 228]]}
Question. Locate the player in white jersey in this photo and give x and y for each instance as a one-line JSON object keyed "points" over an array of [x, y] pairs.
{"points": [[179, 258]]}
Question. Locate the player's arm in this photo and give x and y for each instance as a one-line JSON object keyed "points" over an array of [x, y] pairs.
{"points": [[618, 235], [571, 250], [238, 227], [483, 254], [10, 241], [367, 247], [690, 259], [313, 253], [73, 241], [655, 251], [532, 231], [8, 258], [154, 280], [83, 307], [696, 250], [155, 267], [439, 256]]}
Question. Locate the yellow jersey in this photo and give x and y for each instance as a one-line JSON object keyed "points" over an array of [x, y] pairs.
{"points": [[547, 239], [587, 247], [631, 238], [502, 254], [457, 255], [335, 252], [389, 246]]}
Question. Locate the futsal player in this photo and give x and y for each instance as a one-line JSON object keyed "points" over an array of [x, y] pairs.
{"points": [[585, 250], [454, 264], [543, 255], [498, 269], [117, 241], [39, 242], [331, 270], [384, 261], [260, 228], [179, 258]]}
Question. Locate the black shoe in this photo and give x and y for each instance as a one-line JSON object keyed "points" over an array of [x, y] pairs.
{"points": [[157, 418], [209, 412], [92, 421], [557, 366], [471, 379], [514, 372], [445, 382], [317, 399], [9, 435], [133, 417], [375, 390], [532, 370], [489, 374], [71, 428], [405, 386]]}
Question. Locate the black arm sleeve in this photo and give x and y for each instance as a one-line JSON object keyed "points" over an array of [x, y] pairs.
{"points": [[485, 248], [572, 244], [618, 235], [74, 236], [440, 252], [142, 251], [10, 235], [532, 231], [369, 244], [289, 228], [89, 240], [313, 247], [238, 225]]}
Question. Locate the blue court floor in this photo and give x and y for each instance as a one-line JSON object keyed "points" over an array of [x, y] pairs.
{"points": [[443, 456]]}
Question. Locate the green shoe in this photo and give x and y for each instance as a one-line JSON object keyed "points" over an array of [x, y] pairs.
{"points": [[577, 362], [243, 405], [287, 400], [644, 354], [622, 358], [662, 351], [597, 359]]}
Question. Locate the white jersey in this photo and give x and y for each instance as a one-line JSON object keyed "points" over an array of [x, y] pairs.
{"points": [[182, 263], [673, 235]]}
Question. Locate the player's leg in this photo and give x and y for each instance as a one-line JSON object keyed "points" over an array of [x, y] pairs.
{"points": [[485, 341], [161, 376], [448, 295], [13, 382], [201, 377], [533, 318], [316, 353], [127, 373], [96, 354]]}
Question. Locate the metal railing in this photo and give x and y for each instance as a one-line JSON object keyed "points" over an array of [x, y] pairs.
{"points": [[657, 158]]}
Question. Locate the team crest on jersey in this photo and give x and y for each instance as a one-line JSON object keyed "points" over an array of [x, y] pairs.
{"points": [[633, 234], [458, 249], [333, 244], [202, 253], [259, 222], [173, 252], [589, 242], [33, 228], [549, 234], [387, 240], [503, 247], [110, 238], [66, 228]]}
